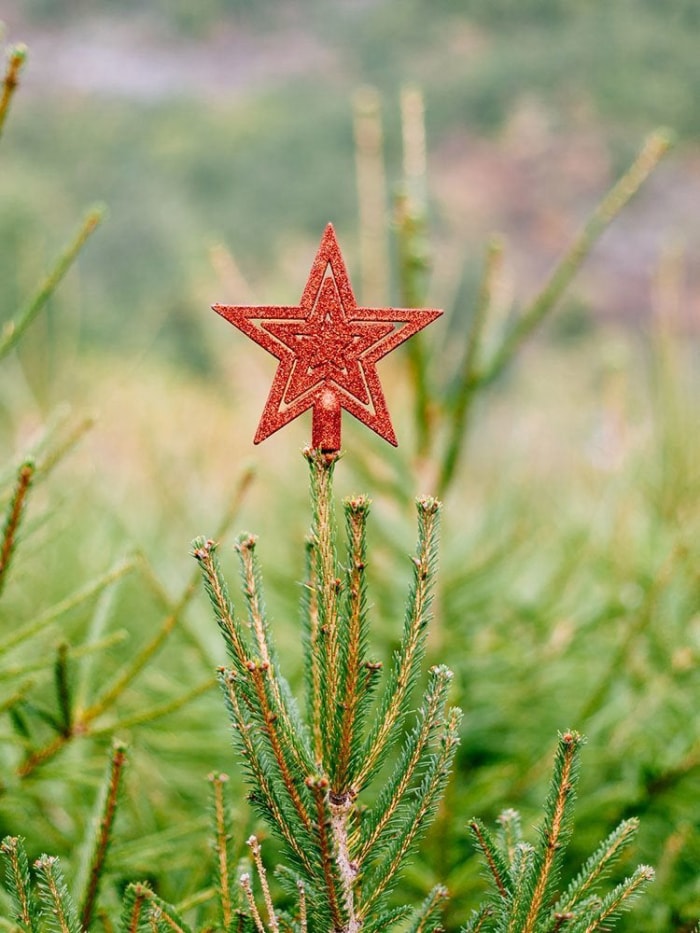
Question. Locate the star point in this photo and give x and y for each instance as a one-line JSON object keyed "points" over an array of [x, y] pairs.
{"points": [[327, 348]]}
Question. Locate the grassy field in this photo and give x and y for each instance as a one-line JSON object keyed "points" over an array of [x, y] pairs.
{"points": [[569, 594]]}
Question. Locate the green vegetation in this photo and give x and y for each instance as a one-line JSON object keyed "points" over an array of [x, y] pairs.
{"points": [[569, 592]]}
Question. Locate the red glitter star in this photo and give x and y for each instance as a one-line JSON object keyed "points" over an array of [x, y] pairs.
{"points": [[328, 349]]}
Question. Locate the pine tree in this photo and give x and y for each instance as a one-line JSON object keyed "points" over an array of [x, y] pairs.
{"points": [[310, 774]]}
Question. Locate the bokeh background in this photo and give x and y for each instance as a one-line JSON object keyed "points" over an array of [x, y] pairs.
{"points": [[223, 136]]}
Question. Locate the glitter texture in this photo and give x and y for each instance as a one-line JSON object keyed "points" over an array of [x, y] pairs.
{"points": [[327, 349]]}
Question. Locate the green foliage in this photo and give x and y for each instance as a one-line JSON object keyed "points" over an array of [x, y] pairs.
{"points": [[526, 880], [308, 774], [71, 659], [547, 609]]}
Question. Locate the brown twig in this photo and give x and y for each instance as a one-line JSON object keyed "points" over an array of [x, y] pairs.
{"points": [[104, 833], [16, 58], [14, 517]]}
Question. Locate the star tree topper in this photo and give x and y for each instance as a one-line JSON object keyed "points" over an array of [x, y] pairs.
{"points": [[327, 349]]}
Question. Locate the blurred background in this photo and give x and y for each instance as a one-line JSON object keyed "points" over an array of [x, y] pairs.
{"points": [[222, 137]]}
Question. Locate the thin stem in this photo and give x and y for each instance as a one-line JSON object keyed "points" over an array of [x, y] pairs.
{"points": [[221, 845], [16, 58], [410, 232], [467, 386], [262, 874], [104, 833], [427, 795], [13, 329], [394, 792], [14, 849], [66, 605], [569, 747], [252, 584], [249, 896], [313, 649], [15, 512], [407, 659], [303, 922], [257, 675], [134, 921], [54, 890], [427, 910], [371, 195], [491, 860], [357, 510], [63, 690], [323, 534], [652, 152], [259, 776], [624, 892]]}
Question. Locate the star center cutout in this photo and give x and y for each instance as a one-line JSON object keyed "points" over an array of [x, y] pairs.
{"points": [[327, 349]]}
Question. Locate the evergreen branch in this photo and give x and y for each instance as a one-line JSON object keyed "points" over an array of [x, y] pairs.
{"points": [[465, 392], [380, 923], [57, 904], [597, 865], [262, 875], [63, 688], [15, 328], [252, 590], [13, 519], [204, 552], [71, 602], [322, 466], [319, 789], [312, 647], [19, 883], [103, 834], [16, 57], [377, 823], [652, 152], [426, 918], [406, 661], [222, 846], [354, 641], [614, 903], [417, 815], [494, 859], [556, 828], [265, 794], [250, 897], [510, 832], [282, 705], [478, 920], [163, 916], [521, 869], [269, 723], [135, 899], [303, 920]]}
